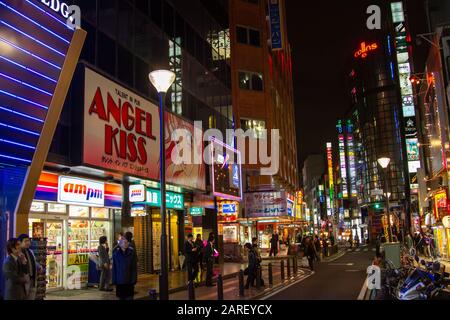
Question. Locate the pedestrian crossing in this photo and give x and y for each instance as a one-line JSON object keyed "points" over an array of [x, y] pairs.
{"points": [[360, 249]]}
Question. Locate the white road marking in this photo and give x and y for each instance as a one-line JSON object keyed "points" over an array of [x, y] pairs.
{"points": [[341, 264], [357, 250], [365, 250], [348, 250], [363, 291], [288, 286], [373, 249]]}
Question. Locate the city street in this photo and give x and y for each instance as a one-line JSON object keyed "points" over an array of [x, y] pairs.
{"points": [[339, 279]]}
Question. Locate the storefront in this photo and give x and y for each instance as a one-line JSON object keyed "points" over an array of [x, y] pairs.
{"points": [[72, 213], [271, 212], [147, 227], [440, 223]]}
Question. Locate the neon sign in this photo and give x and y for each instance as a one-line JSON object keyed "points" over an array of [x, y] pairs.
{"points": [[364, 50], [330, 176]]}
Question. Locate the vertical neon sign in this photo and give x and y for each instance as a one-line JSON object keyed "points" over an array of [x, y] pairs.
{"points": [[330, 176], [351, 158], [342, 159]]}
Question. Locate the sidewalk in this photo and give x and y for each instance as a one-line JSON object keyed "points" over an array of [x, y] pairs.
{"points": [[177, 282]]}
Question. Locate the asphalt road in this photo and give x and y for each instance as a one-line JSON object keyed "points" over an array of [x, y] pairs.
{"points": [[341, 279]]}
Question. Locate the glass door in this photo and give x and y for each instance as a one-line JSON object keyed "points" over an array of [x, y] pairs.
{"points": [[55, 250]]}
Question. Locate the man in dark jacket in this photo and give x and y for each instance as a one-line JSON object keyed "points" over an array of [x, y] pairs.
{"points": [[209, 260], [124, 272], [104, 264], [32, 267], [15, 278], [200, 246], [190, 252], [252, 265], [274, 245]]}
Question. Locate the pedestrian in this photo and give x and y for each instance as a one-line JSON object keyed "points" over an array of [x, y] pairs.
{"points": [[409, 241], [252, 265], [200, 251], [325, 246], [274, 245], [104, 264], [13, 272], [310, 252], [209, 260], [258, 259], [378, 244], [124, 272], [190, 253], [427, 245], [32, 267], [317, 247], [356, 241], [120, 235], [331, 239]]}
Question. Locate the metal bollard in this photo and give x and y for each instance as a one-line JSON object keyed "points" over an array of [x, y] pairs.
{"points": [[288, 267], [219, 287], [270, 274], [282, 269], [258, 278], [191, 290], [241, 283]]}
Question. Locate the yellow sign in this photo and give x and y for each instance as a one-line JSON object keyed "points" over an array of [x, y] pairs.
{"points": [[77, 259], [384, 220], [220, 229], [196, 231]]}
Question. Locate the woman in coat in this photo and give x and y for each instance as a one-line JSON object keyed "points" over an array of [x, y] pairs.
{"points": [[13, 267], [124, 272], [252, 265]]}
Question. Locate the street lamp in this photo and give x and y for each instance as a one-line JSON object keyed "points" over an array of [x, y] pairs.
{"points": [[162, 80], [384, 163]]}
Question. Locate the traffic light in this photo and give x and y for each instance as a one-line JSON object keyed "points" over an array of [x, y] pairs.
{"points": [[377, 205]]}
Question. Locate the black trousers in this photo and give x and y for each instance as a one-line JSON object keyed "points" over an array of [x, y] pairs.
{"points": [[209, 271], [311, 263], [273, 251], [251, 277], [191, 270]]}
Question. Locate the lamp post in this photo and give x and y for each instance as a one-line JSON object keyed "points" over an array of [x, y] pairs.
{"points": [[384, 162], [162, 80]]}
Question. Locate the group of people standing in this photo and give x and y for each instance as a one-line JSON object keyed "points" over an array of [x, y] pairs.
{"points": [[254, 263], [21, 269], [196, 253], [424, 243]]}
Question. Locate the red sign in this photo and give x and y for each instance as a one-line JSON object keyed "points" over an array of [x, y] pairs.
{"points": [[364, 50]]}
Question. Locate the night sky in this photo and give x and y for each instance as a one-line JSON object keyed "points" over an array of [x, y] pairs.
{"points": [[323, 36]]}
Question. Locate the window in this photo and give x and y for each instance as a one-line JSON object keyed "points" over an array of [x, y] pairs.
{"points": [[57, 208], [248, 36], [77, 211], [37, 207], [258, 126], [251, 81]]}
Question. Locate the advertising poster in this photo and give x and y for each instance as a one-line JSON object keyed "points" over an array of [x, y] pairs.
{"points": [[230, 233], [265, 204], [38, 230], [121, 133]]}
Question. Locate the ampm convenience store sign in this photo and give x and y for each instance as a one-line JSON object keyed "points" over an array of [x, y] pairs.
{"points": [[39, 51]]}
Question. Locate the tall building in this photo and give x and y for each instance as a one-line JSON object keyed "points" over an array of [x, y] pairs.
{"points": [[262, 95]]}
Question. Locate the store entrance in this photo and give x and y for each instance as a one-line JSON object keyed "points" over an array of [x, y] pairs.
{"points": [[52, 229]]}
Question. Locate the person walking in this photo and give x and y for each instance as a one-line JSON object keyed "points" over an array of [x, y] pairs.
{"points": [[274, 245], [32, 268], [310, 253], [200, 248], [13, 267], [104, 264], [209, 260], [318, 247], [124, 272], [190, 253], [252, 265], [258, 259]]}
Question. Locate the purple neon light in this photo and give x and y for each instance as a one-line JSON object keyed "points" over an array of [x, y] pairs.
{"points": [[19, 129], [21, 114], [23, 99], [29, 53], [219, 194], [50, 15], [17, 144], [25, 84], [28, 69], [34, 22], [32, 38], [14, 158]]}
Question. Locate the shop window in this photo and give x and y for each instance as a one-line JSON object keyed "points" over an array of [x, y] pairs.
{"points": [[100, 213], [37, 206], [57, 208], [78, 211]]}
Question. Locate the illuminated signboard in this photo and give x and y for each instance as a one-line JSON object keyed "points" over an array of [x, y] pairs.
{"points": [[406, 90], [196, 211], [351, 158], [153, 197], [226, 174], [276, 32], [342, 160], [34, 42], [365, 49], [330, 176], [81, 191]]}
